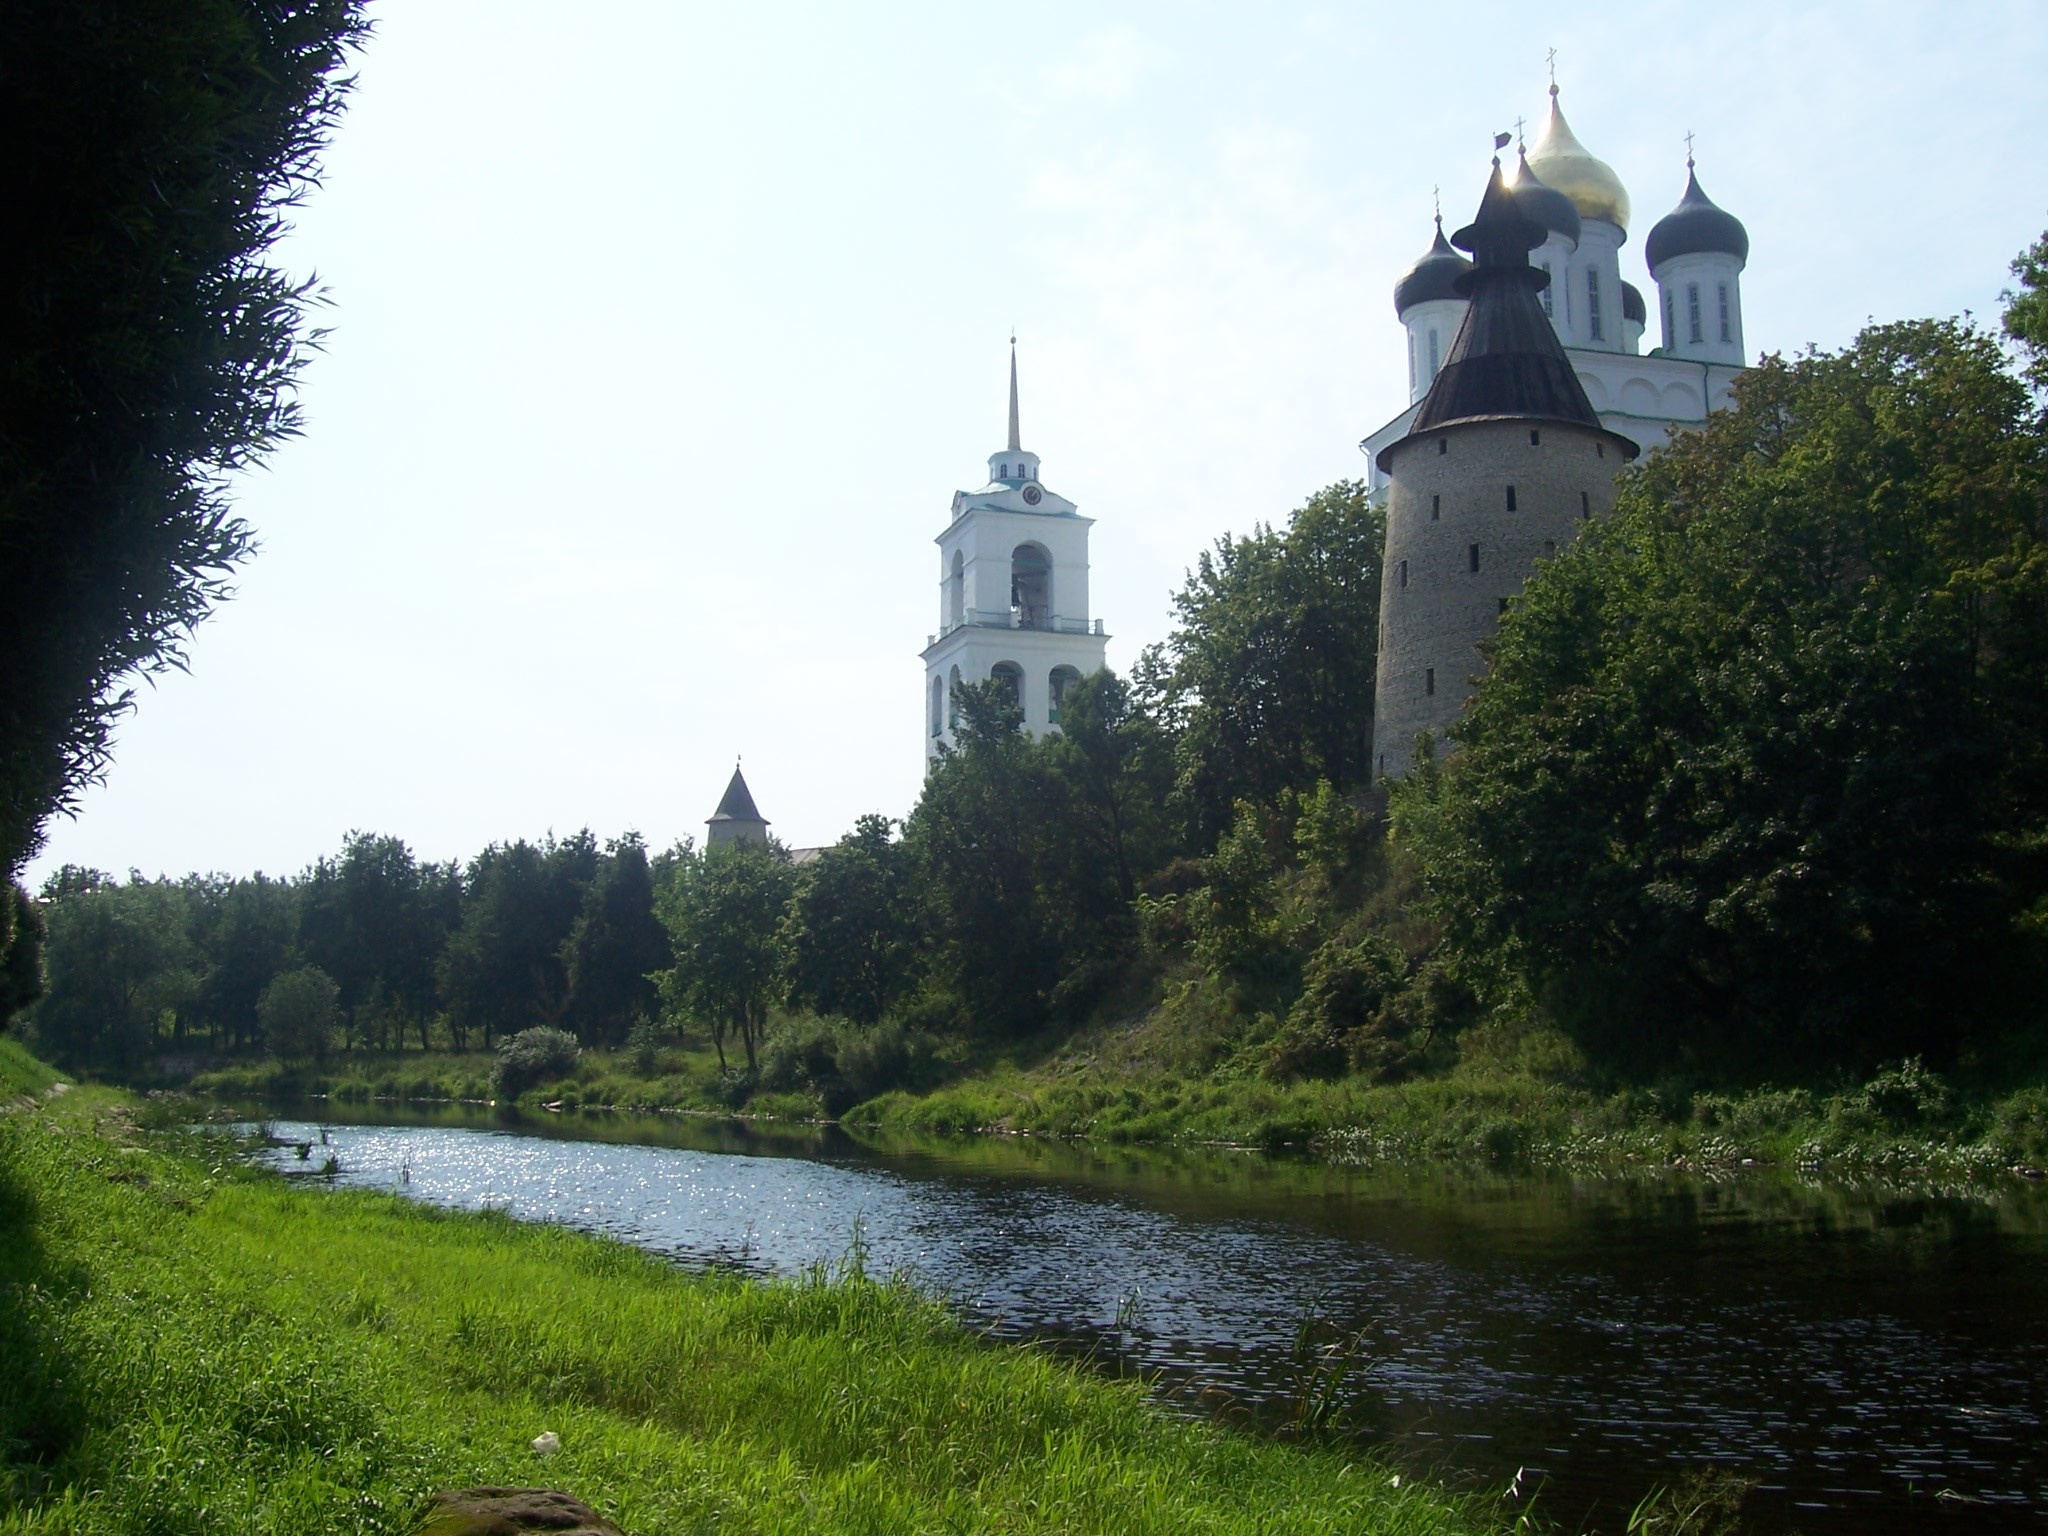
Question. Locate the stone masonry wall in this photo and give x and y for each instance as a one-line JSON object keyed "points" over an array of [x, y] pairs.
{"points": [[1448, 493]]}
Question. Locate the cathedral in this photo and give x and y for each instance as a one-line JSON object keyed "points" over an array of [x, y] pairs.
{"points": [[1013, 594], [1528, 392]]}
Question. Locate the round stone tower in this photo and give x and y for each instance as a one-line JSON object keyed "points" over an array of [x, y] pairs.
{"points": [[1506, 460]]}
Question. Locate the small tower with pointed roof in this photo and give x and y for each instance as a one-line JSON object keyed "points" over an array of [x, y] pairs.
{"points": [[1013, 594], [736, 820], [1504, 462]]}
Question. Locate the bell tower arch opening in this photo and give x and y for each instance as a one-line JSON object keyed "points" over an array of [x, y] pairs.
{"points": [[1031, 587]]}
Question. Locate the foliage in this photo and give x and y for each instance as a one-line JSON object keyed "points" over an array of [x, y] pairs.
{"points": [[376, 920], [1266, 683], [531, 1057], [151, 345], [120, 961], [615, 948], [503, 969], [22, 940], [723, 909], [2026, 312], [297, 1012], [850, 935], [1760, 771]]}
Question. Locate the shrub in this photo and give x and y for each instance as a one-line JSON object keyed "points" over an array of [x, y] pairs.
{"points": [[529, 1057], [1907, 1095]]}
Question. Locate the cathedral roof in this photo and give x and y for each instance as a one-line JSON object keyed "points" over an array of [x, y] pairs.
{"points": [[1506, 361], [1696, 224], [1545, 204], [738, 803], [1561, 161], [1632, 305], [1434, 276]]}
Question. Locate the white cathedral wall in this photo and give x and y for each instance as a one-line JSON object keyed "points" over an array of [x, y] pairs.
{"points": [[1438, 317], [1709, 269]]}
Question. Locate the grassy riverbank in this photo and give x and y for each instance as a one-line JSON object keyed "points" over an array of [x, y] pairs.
{"points": [[193, 1347], [1511, 1095]]}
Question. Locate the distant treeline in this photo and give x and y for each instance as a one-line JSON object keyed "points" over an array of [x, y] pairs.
{"points": [[1757, 783]]}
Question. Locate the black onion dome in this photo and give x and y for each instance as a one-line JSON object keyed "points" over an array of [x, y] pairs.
{"points": [[1632, 305], [1434, 275], [1696, 224], [1506, 361], [1546, 205]]}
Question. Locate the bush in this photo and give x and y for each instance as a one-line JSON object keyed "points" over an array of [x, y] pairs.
{"points": [[843, 1062], [529, 1057], [1907, 1095]]}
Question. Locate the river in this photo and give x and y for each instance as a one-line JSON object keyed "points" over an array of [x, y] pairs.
{"points": [[1873, 1356]]}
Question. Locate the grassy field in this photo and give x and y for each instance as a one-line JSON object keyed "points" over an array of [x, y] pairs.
{"points": [[194, 1347]]}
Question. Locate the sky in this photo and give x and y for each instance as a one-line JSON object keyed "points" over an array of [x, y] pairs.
{"points": [[661, 334]]}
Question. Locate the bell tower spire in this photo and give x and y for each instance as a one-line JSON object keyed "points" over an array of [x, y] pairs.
{"points": [[1016, 441]]}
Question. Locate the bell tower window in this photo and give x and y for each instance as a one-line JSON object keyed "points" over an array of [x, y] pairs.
{"points": [[1030, 587]]}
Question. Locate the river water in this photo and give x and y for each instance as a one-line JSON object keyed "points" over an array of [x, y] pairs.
{"points": [[1873, 1357]]}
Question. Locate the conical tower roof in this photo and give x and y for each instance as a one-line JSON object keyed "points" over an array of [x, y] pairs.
{"points": [[1506, 362], [738, 802]]}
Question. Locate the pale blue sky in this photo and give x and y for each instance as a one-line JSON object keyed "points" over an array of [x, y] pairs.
{"points": [[663, 334]]}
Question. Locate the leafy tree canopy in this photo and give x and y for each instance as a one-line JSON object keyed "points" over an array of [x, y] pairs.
{"points": [[1758, 770], [1267, 678], [150, 345]]}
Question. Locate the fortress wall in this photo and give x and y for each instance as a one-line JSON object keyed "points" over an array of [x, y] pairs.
{"points": [[1441, 502]]}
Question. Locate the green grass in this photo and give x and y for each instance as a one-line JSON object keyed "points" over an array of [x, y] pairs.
{"points": [[192, 1347], [21, 1073], [1514, 1098]]}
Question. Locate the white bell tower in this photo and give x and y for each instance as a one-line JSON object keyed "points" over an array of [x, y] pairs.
{"points": [[1013, 594]]}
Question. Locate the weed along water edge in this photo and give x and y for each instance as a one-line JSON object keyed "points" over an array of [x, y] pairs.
{"points": [[1863, 1356], [196, 1345]]}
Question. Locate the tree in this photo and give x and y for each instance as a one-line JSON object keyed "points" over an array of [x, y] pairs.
{"points": [[121, 961], [22, 935], [502, 970], [1759, 773], [298, 1011], [1267, 678], [723, 910], [850, 938], [376, 920], [151, 347], [254, 928], [615, 947], [2026, 312]]}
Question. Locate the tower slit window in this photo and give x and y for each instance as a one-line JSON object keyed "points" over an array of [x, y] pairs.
{"points": [[1443, 446], [1429, 681], [1511, 499], [1692, 312], [1593, 328], [1404, 575], [1472, 557], [1436, 507], [1585, 505]]}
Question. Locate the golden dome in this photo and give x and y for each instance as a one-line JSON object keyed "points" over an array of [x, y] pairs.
{"points": [[1561, 161]]}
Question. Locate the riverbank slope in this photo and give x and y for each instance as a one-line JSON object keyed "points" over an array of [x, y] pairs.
{"points": [[193, 1346]]}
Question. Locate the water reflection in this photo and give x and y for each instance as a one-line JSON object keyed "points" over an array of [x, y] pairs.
{"points": [[1872, 1354]]}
